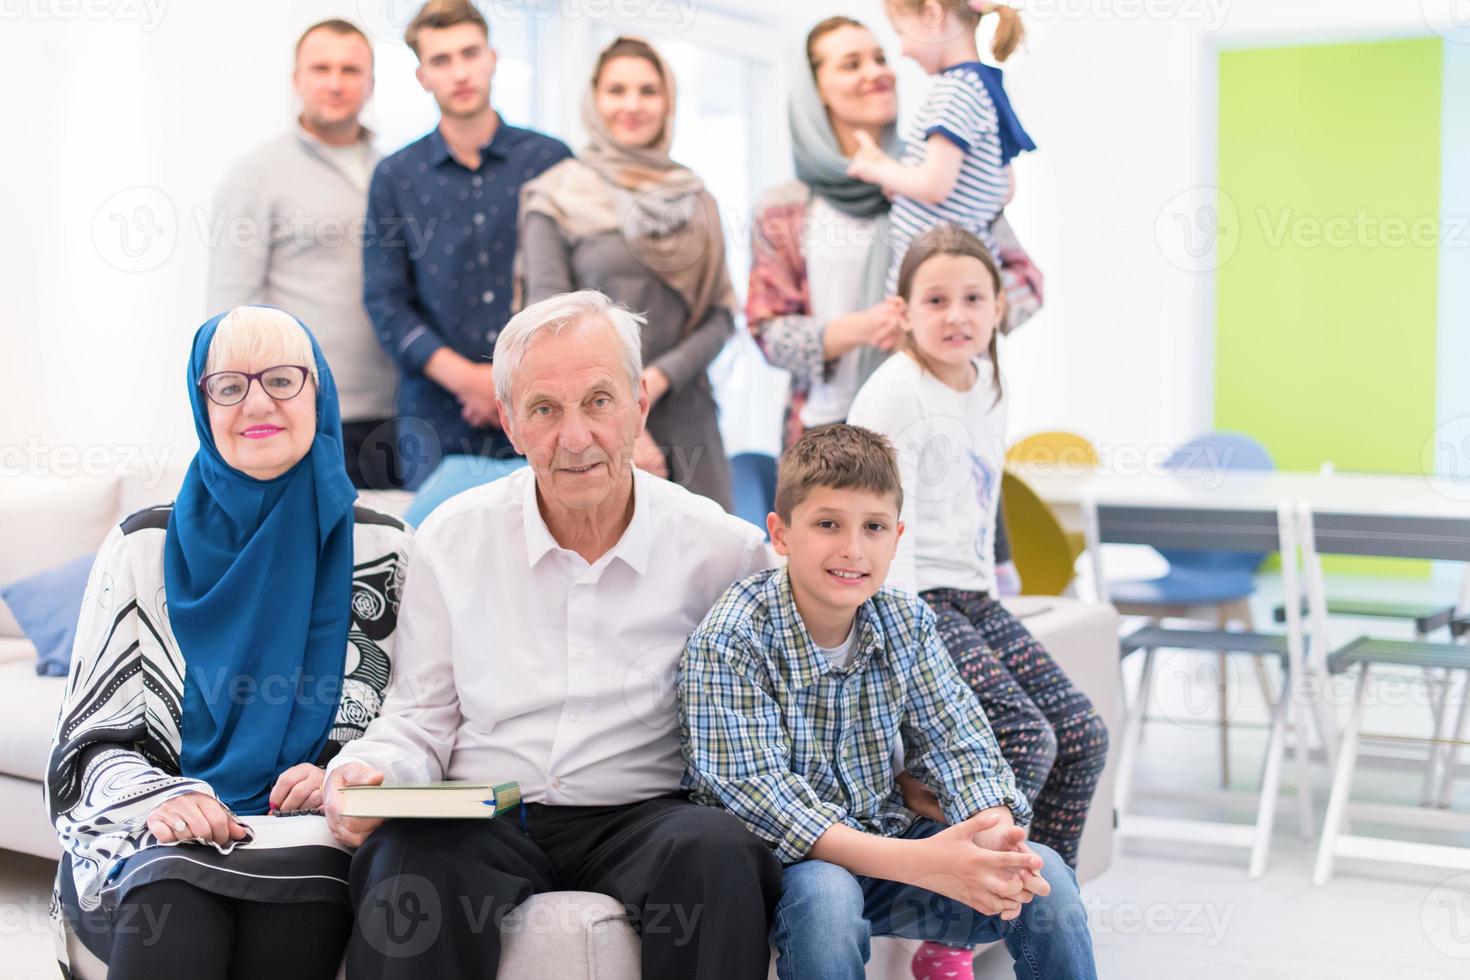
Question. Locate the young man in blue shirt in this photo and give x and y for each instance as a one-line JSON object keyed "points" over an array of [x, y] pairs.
{"points": [[440, 244], [796, 690]]}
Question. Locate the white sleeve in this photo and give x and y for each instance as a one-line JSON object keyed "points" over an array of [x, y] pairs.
{"points": [[413, 736]]}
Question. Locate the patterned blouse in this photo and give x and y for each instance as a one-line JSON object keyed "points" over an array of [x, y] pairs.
{"points": [[115, 755]]}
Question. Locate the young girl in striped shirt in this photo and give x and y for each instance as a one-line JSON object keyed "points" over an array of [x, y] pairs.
{"points": [[956, 167]]}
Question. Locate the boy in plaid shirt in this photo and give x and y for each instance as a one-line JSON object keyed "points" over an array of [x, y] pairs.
{"points": [[794, 692]]}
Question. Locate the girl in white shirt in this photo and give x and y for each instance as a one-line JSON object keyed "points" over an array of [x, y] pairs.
{"points": [[941, 402]]}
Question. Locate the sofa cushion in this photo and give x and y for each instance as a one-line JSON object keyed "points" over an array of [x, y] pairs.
{"points": [[47, 606], [48, 521], [150, 485], [29, 706], [569, 934]]}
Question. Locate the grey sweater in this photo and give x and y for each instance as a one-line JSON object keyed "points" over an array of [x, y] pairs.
{"points": [[287, 232]]}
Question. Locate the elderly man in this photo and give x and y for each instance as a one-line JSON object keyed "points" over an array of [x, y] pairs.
{"points": [[540, 629]]}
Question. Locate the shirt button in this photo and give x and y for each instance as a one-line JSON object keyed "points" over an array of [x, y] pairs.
{"points": [[1008, 800], [477, 180], [488, 296], [479, 218], [572, 716], [556, 784]]}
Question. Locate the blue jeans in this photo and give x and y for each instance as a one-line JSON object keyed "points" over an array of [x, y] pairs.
{"points": [[826, 915]]}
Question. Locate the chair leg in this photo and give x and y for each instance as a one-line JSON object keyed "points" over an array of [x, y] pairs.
{"points": [[1223, 616], [1301, 727], [1133, 732], [1439, 690], [1452, 758], [1270, 787], [1342, 781]]}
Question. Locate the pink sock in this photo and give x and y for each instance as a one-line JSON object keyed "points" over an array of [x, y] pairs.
{"points": [[936, 962]]}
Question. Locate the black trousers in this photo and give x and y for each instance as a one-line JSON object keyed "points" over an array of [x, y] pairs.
{"points": [[370, 450], [173, 929], [430, 894]]}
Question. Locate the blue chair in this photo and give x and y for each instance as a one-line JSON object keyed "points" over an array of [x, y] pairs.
{"points": [[1218, 581], [1202, 578], [455, 475], [753, 485]]}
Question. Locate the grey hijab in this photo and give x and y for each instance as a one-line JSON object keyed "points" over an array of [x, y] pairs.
{"points": [[821, 165]]}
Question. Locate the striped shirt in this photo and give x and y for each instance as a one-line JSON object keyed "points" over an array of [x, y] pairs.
{"points": [[792, 744], [960, 109]]}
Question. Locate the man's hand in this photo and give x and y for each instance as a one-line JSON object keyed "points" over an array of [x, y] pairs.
{"points": [[194, 816], [477, 396], [351, 831], [473, 384], [987, 880]]}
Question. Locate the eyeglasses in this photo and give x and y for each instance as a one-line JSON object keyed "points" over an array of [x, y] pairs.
{"points": [[282, 382]]}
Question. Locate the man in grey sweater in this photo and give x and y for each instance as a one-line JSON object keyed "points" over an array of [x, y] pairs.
{"points": [[287, 232]]}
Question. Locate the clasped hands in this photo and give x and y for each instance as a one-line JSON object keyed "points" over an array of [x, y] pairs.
{"points": [[983, 862]]}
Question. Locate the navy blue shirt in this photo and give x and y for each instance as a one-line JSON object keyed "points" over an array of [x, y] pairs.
{"points": [[438, 251]]}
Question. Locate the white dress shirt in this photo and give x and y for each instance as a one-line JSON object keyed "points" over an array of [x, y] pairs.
{"points": [[518, 660]]}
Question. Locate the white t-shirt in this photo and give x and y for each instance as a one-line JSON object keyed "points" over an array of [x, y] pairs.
{"points": [[841, 655], [837, 247], [951, 452]]}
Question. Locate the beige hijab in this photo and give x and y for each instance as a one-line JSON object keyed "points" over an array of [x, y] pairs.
{"points": [[662, 210]]}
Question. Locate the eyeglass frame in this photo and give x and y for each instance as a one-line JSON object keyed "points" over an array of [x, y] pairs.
{"points": [[257, 377]]}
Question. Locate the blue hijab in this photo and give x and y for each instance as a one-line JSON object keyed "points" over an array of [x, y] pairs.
{"points": [[258, 575]]}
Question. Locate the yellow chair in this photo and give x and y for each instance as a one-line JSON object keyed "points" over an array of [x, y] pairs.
{"points": [[1043, 551], [1052, 448]]}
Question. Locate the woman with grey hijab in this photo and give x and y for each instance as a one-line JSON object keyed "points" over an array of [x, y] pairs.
{"points": [[820, 244]]}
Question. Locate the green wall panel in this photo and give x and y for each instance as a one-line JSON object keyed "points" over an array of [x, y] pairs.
{"points": [[1325, 317]]}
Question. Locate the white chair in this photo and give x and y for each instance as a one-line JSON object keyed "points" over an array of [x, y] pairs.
{"points": [[1392, 537], [1222, 530]]}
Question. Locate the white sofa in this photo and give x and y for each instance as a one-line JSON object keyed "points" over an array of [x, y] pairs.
{"points": [[46, 522]]}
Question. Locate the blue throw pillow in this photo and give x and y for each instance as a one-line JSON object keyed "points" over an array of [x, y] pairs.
{"points": [[455, 475], [47, 606]]}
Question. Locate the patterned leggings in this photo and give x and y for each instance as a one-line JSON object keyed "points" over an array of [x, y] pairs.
{"points": [[1048, 731]]}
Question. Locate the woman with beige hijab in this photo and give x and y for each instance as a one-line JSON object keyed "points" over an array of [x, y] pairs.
{"points": [[623, 218]]}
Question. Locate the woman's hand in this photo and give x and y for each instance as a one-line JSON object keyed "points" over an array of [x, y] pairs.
{"points": [[194, 816], [298, 788], [880, 325], [657, 383], [920, 798], [648, 457]]}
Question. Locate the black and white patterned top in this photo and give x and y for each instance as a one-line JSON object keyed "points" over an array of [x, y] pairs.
{"points": [[115, 755]]}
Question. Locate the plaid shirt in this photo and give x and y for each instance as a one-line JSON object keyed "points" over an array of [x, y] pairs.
{"points": [[791, 744]]}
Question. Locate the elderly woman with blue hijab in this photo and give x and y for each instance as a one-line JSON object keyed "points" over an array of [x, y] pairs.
{"points": [[820, 244], [229, 644]]}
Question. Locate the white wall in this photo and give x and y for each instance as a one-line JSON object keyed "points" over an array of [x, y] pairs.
{"points": [[1120, 105], [104, 119]]}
